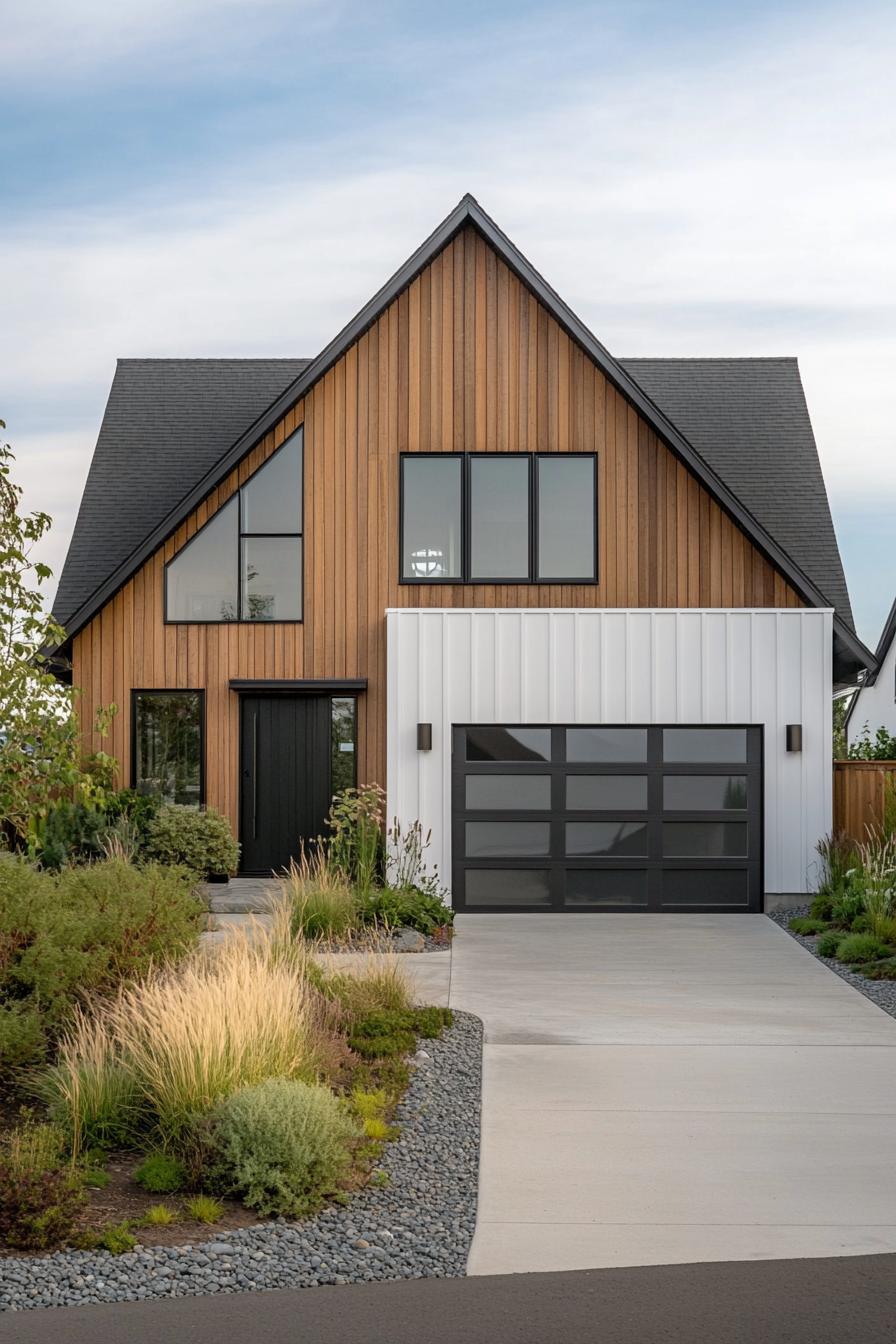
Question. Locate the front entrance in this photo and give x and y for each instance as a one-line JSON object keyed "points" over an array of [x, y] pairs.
{"points": [[607, 817], [296, 751]]}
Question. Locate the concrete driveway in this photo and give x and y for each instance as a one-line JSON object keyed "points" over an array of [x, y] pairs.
{"points": [[673, 1088]]}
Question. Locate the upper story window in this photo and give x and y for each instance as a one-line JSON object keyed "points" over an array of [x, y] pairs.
{"points": [[499, 518], [245, 564]]}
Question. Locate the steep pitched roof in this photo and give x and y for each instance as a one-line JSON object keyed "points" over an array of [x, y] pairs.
{"points": [[167, 423], [748, 418], [850, 653]]}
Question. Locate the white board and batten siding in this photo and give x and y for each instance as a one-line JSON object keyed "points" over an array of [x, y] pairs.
{"points": [[763, 666]]}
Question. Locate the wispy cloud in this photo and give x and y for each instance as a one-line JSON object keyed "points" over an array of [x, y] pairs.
{"points": [[723, 184]]}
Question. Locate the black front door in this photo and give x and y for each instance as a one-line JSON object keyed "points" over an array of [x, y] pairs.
{"points": [[285, 777]]}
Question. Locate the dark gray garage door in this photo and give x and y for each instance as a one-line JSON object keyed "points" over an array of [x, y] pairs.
{"points": [[603, 817]]}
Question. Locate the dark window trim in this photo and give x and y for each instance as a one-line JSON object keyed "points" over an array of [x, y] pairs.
{"points": [[535, 516], [467, 578], [170, 690], [241, 535], [463, 529]]}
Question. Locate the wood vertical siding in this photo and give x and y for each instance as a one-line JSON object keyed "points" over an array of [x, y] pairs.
{"points": [[864, 791], [465, 359]]}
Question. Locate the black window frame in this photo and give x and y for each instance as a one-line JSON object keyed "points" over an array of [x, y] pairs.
{"points": [[242, 535], [467, 578], [171, 690]]}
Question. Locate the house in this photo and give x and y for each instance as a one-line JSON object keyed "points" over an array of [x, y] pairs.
{"points": [[582, 616], [874, 704]]}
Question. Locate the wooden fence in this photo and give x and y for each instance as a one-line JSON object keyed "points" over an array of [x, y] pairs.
{"points": [[860, 790]]}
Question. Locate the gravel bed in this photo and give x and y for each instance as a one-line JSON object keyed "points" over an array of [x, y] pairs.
{"points": [[420, 1225], [881, 992]]}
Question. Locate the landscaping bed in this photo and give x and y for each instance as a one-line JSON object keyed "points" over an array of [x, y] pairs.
{"points": [[881, 992], [414, 1220]]}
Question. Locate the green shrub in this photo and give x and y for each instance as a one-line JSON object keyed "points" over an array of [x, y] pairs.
{"points": [[394, 1031], [38, 1210], [355, 835], [861, 924], [161, 1174], [807, 927], [879, 970], [829, 942], [281, 1145], [822, 906], [40, 1193], [204, 1209], [389, 1032], [405, 908], [82, 931], [857, 947], [882, 747], [117, 1239], [199, 840], [849, 903], [431, 1021], [159, 1215]]}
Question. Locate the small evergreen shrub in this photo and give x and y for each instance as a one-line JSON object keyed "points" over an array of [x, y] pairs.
{"points": [[879, 970], [199, 840], [405, 908], [394, 1031], [822, 906], [161, 1174], [117, 1239], [859, 947], [389, 1032], [829, 942], [807, 927], [282, 1145], [159, 1215], [431, 1021], [204, 1209]]}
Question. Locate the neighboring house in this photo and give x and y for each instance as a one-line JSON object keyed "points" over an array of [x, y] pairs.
{"points": [[573, 611], [874, 704]]}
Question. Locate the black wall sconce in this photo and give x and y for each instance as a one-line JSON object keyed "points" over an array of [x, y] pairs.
{"points": [[424, 737], [794, 737]]}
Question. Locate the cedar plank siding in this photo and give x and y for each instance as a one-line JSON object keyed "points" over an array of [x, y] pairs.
{"points": [[465, 359]]}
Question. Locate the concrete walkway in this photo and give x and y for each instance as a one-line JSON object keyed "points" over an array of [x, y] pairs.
{"points": [[665, 1089]]}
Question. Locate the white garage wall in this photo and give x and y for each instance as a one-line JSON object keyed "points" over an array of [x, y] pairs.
{"points": [[769, 667]]}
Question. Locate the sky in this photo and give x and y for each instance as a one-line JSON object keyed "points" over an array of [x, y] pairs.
{"points": [[217, 177]]}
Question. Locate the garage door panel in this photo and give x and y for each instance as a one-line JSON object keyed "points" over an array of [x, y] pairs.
{"points": [[607, 817]]}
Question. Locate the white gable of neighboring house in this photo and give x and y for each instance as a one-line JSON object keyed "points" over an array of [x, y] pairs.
{"points": [[875, 705]]}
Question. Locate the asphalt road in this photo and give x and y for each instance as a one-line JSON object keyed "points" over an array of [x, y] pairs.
{"points": [[764, 1302]]}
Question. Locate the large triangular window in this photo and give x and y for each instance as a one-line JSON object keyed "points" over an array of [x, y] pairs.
{"points": [[245, 564]]}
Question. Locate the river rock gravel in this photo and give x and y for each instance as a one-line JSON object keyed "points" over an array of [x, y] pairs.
{"points": [[415, 1221], [881, 992]]}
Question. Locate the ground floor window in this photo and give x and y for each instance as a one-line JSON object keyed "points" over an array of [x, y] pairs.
{"points": [[167, 756]]}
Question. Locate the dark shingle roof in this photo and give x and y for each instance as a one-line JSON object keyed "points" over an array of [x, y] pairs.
{"points": [[749, 420], [167, 422]]}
